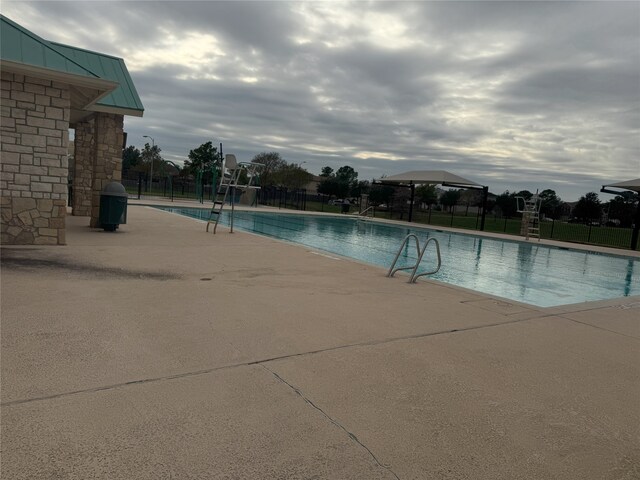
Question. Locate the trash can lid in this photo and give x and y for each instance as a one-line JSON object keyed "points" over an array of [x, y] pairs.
{"points": [[114, 189]]}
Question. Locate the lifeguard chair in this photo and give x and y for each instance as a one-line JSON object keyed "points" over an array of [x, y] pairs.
{"points": [[231, 180], [530, 209]]}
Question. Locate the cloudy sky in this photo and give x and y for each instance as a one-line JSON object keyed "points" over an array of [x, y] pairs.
{"points": [[512, 95]]}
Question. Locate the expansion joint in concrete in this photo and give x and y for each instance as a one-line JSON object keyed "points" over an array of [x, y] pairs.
{"points": [[598, 327], [351, 435], [260, 362]]}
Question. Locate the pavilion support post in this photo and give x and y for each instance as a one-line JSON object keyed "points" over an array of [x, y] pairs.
{"points": [[485, 195], [107, 158], [636, 230], [85, 151], [413, 195]]}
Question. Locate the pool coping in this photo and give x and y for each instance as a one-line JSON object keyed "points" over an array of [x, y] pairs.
{"points": [[630, 300]]}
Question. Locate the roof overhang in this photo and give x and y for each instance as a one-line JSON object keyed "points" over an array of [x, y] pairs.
{"points": [[101, 86], [117, 110], [84, 91], [428, 177], [633, 185]]}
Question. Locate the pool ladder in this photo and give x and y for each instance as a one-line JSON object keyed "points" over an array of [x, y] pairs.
{"points": [[414, 274]]}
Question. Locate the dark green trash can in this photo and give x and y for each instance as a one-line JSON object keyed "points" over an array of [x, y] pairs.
{"points": [[113, 206]]}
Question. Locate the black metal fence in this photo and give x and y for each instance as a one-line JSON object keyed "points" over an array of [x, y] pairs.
{"points": [[168, 187], [283, 197], [457, 217]]}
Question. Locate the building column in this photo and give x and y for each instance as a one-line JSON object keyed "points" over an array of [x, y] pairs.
{"points": [[107, 165], [84, 147], [33, 172]]}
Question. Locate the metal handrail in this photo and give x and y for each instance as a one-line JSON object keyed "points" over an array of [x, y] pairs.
{"points": [[420, 252], [364, 212], [392, 271], [414, 277]]}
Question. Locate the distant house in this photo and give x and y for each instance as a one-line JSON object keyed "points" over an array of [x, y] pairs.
{"points": [[48, 88], [312, 186]]}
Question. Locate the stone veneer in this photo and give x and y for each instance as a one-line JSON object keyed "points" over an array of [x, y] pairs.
{"points": [[33, 174], [84, 153], [107, 162]]}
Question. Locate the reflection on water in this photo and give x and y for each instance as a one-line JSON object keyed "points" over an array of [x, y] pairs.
{"points": [[521, 271], [628, 278]]}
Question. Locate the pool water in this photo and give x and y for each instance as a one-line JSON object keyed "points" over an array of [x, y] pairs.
{"points": [[522, 271]]}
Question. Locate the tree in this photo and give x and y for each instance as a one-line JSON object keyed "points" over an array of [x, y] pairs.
{"points": [[507, 203], [326, 172], [526, 194], [588, 208], [427, 194], [400, 201], [202, 158], [362, 187], [623, 208], [333, 186], [550, 204], [272, 162], [151, 154], [131, 157], [380, 194], [291, 176], [470, 198], [348, 175], [450, 198]]}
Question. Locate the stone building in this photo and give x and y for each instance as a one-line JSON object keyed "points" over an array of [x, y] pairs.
{"points": [[47, 89]]}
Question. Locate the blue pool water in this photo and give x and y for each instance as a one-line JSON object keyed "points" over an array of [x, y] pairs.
{"points": [[522, 271]]}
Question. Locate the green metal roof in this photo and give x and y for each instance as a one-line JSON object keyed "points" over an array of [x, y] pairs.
{"points": [[17, 44], [108, 68], [20, 45]]}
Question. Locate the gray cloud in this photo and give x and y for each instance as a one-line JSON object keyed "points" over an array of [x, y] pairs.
{"points": [[511, 94]]}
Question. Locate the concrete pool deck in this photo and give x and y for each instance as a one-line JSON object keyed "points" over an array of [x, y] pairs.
{"points": [[161, 351]]}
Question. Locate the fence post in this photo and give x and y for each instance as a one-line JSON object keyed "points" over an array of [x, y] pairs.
{"points": [[589, 234], [505, 225], [139, 185], [453, 209], [553, 224]]}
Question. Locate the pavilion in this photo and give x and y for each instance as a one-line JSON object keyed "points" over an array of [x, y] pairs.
{"points": [[634, 186], [434, 177], [48, 88]]}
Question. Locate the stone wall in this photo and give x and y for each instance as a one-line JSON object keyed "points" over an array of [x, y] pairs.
{"points": [[107, 166], [84, 156], [33, 174]]}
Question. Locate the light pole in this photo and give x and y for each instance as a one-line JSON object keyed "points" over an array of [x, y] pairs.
{"points": [[153, 145]]}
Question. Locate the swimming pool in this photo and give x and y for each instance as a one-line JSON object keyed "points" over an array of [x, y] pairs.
{"points": [[522, 271]]}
